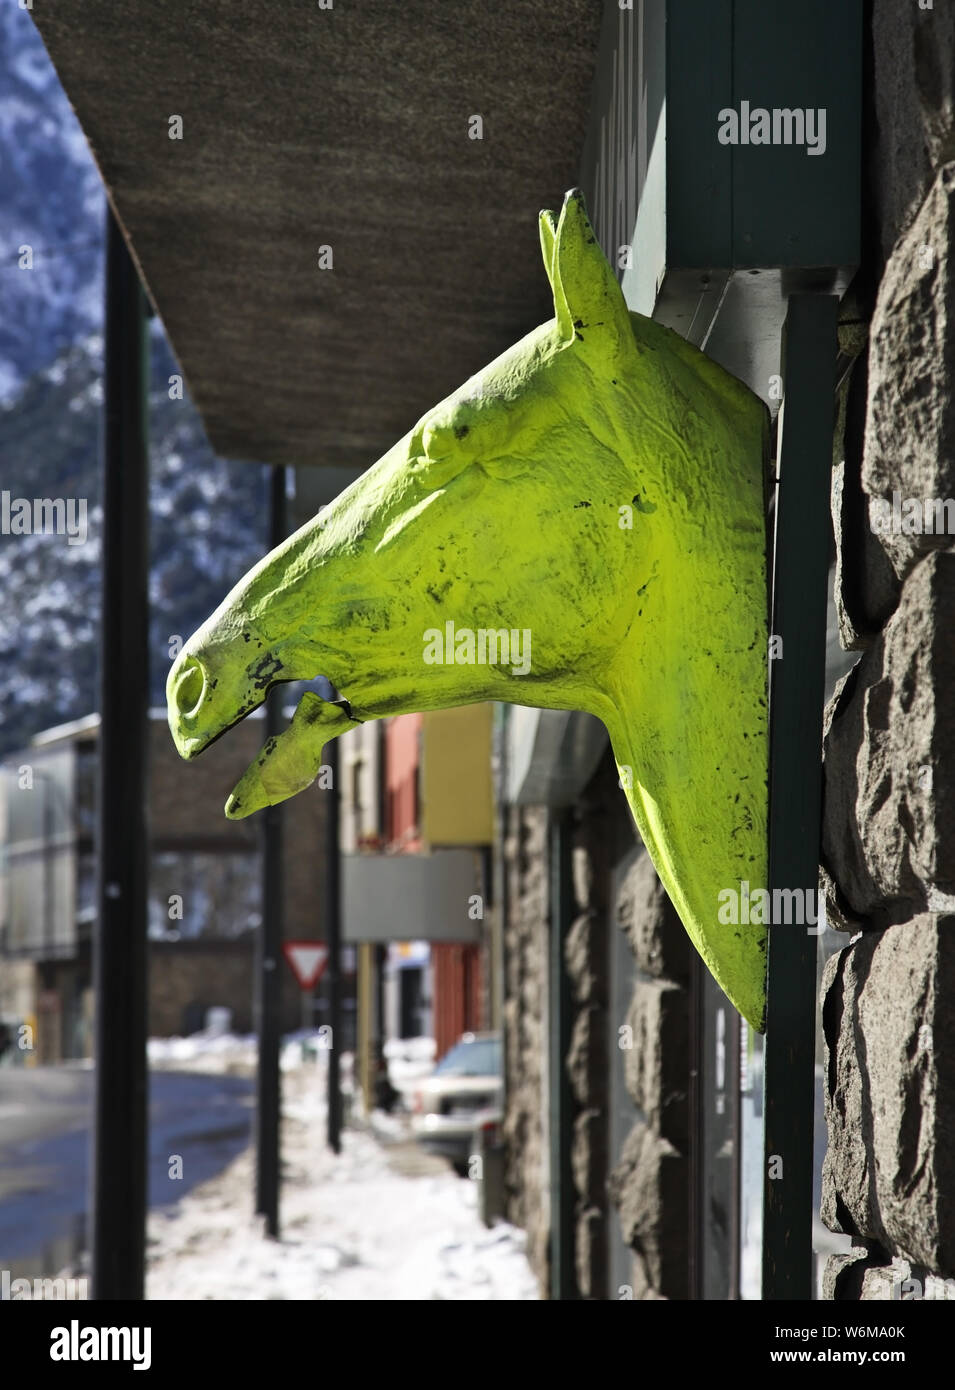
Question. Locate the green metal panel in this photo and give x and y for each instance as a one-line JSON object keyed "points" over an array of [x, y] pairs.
{"points": [[776, 203], [699, 182], [790, 207], [722, 234]]}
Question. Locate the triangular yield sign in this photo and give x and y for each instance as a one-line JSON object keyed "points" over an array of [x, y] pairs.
{"points": [[307, 959]]}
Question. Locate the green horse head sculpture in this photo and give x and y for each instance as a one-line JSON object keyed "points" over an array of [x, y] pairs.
{"points": [[580, 526]]}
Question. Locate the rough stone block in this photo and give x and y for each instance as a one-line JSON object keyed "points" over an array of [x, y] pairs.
{"points": [[865, 586], [914, 72], [654, 930], [649, 1187], [843, 1275], [870, 1277], [582, 874], [639, 1286], [889, 1025], [910, 425], [587, 1058], [588, 1156], [656, 1067], [585, 957], [639, 1289], [888, 838], [590, 1254], [904, 1282]]}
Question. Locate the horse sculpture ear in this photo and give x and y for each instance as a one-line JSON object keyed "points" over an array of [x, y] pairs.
{"points": [[588, 301], [548, 232]]}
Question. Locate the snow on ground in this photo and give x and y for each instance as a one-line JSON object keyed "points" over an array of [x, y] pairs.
{"points": [[409, 1059], [378, 1222], [209, 1051], [213, 1050]]}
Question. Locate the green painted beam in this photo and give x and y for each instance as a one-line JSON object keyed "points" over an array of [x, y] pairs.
{"points": [[797, 690]]}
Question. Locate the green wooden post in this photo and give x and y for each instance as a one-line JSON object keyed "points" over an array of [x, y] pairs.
{"points": [[797, 687]]}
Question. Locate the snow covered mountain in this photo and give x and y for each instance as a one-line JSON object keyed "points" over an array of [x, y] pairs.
{"points": [[52, 208], [209, 524], [208, 515]]}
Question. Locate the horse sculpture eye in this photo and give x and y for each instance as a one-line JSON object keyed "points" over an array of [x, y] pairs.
{"points": [[440, 439], [443, 451], [433, 473]]}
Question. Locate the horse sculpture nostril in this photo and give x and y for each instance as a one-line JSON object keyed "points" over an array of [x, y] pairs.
{"points": [[190, 687]]}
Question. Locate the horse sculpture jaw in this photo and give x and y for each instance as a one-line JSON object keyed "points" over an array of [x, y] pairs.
{"points": [[599, 487]]}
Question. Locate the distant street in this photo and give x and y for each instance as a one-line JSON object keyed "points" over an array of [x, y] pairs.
{"points": [[44, 1160]]}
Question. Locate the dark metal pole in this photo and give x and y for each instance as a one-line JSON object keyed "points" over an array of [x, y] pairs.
{"points": [[333, 936], [563, 1277], [797, 690], [268, 1116], [119, 1161]]}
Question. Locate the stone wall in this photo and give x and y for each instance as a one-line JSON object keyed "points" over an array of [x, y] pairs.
{"points": [[650, 1183], [889, 828], [596, 819], [888, 847], [525, 1032], [889, 1175], [646, 1186]]}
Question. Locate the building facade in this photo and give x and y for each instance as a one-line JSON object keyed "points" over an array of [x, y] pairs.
{"points": [[614, 1036], [204, 898]]}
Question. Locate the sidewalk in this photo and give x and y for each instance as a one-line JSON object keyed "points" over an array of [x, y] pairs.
{"points": [[378, 1222]]}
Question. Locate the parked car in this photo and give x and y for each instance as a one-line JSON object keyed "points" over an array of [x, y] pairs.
{"points": [[448, 1103]]}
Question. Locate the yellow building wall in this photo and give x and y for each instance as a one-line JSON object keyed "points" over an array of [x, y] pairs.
{"points": [[455, 776]]}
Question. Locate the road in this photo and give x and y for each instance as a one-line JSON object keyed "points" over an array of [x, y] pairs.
{"points": [[44, 1159]]}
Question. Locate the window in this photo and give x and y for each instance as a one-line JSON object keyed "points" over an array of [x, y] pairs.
{"points": [[204, 895]]}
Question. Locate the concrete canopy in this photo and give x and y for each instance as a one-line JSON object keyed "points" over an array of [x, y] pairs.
{"points": [[346, 127]]}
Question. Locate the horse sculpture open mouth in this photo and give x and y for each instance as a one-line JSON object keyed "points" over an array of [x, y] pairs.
{"points": [[290, 761], [599, 487]]}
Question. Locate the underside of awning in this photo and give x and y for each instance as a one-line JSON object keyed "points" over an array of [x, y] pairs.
{"points": [[350, 128]]}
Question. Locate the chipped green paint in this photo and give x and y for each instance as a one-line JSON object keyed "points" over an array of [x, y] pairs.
{"points": [[601, 484]]}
